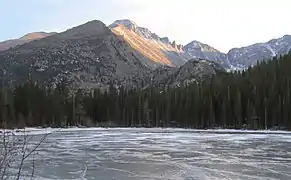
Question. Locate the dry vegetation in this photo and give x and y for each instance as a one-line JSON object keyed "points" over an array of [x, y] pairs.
{"points": [[15, 150]]}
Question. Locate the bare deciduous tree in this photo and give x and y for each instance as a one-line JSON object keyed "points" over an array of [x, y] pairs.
{"points": [[14, 151]]}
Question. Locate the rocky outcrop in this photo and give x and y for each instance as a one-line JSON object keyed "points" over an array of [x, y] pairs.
{"points": [[194, 70], [180, 47], [174, 45], [165, 40]]}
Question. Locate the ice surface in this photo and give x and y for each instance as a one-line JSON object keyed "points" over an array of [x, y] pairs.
{"points": [[162, 154]]}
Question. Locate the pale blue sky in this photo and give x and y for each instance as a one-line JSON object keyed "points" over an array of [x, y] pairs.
{"points": [[221, 23]]}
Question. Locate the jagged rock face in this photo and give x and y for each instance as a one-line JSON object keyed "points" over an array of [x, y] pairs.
{"points": [[250, 55], [193, 71], [199, 50], [5, 45], [165, 40], [87, 56], [180, 47], [159, 51]]}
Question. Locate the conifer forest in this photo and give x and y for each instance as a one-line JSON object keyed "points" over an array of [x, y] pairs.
{"points": [[256, 98]]}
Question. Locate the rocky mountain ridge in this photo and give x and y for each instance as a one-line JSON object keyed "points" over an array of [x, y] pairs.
{"points": [[89, 56], [94, 56], [199, 50], [164, 52], [157, 51], [160, 50], [5, 45], [243, 57], [249, 55]]}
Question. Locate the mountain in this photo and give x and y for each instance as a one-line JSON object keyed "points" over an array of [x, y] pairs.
{"points": [[157, 51], [94, 56], [160, 51], [240, 58], [25, 39], [200, 50], [87, 56], [193, 71], [249, 55]]}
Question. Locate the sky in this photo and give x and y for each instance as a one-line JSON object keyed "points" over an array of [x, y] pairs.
{"points": [[223, 24]]}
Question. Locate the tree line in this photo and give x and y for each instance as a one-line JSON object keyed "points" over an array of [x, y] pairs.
{"points": [[255, 98]]}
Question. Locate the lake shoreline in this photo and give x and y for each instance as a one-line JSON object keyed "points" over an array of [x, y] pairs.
{"points": [[40, 130]]}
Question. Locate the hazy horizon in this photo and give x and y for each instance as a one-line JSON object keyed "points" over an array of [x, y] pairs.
{"points": [[221, 24]]}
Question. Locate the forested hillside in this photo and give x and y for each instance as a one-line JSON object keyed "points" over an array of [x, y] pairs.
{"points": [[256, 98]]}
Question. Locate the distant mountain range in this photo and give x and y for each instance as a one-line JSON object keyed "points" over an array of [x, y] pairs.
{"points": [[249, 55], [94, 56], [5, 45], [162, 51]]}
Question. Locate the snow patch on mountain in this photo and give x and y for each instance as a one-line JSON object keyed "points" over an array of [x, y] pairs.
{"points": [[250, 55], [272, 50], [241, 58]]}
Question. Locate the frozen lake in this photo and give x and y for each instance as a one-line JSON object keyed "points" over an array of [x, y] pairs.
{"points": [[168, 154]]}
